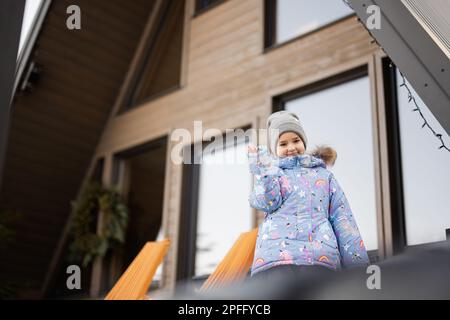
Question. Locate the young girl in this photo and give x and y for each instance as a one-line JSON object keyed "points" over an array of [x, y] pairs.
{"points": [[308, 221]]}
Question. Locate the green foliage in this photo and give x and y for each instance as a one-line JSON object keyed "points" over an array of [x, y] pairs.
{"points": [[87, 243]]}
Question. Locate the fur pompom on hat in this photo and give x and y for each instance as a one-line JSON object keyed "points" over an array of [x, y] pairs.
{"points": [[279, 123]]}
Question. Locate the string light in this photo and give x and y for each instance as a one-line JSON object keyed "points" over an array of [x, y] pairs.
{"points": [[419, 110], [411, 97]]}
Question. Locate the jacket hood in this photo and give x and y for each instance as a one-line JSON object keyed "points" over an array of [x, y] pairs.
{"points": [[303, 160], [327, 154], [322, 156]]}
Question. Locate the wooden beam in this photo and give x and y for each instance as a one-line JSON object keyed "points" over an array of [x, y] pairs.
{"points": [[166, 199], [376, 127], [414, 52]]}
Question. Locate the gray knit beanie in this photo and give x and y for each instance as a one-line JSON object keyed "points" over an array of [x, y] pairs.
{"points": [[279, 123]]}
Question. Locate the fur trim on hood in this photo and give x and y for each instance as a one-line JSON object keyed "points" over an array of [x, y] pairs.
{"points": [[327, 154]]}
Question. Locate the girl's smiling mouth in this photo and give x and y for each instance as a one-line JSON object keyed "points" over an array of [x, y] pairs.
{"points": [[292, 154]]}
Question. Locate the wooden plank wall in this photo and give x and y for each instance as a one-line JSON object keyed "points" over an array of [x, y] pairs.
{"points": [[229, 83]]}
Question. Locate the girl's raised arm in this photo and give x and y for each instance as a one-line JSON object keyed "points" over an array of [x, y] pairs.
{"points": [[271, 187]]}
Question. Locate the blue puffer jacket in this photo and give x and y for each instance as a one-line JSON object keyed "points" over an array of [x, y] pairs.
{"points": [[308, 220]]}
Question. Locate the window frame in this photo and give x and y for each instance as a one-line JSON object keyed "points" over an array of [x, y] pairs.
{"points": [[270, 27], [394, 157], [187, 241], [119, 179], [188, 217], [279, 101], [198, 9]]}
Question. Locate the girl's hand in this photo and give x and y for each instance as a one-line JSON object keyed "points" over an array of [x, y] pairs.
{"points": [[252, 149], [259, 159], [252, 153], [260, 151]]}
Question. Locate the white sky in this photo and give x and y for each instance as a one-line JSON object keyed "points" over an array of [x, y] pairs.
{"points": [[31, 8], [426, 172], [295, 17]]}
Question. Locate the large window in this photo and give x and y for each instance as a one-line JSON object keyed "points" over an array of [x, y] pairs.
{"points": [[340, 116], [139, 174], [223, 208], [215, 208], [287, 19], [425, 172], [159, 71]]}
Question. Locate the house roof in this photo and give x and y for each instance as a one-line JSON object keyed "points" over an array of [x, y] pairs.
{"points": [[414, 34], [56, 123]]}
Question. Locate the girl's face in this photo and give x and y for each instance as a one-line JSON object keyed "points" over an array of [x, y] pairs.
{"points": [[290, 144]]}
